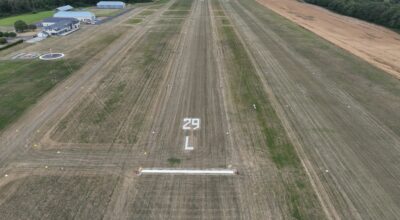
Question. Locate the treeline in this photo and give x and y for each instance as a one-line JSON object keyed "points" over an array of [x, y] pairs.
{"points": [[14, 7], [383, 12]]}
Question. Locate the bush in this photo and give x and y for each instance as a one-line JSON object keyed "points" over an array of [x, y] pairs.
{"points": [[12, 44], [3, 40], [1, 34], [12, 34], [5, 34]]}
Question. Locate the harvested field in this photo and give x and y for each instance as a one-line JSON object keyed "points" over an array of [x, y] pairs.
{"points": [[377, 45], [304, 129]]}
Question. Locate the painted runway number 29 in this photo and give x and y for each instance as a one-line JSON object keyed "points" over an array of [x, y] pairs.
{"points": [[191, 123]]}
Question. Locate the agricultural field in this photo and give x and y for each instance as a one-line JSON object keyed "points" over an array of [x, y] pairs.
{"points": [[30, 18], [197, 109]]}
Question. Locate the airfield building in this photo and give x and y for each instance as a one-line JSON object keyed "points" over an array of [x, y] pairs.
{"points": [[61, 26], [52, 20], [65, 8], [82, 16], [111, 4]]}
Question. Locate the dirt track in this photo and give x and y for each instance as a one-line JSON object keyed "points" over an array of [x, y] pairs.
{"points": [[377, 45], [74, 154]]}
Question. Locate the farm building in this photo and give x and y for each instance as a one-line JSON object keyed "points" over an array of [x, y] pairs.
{"points": [[111, 4], [63, 26], [83, 16], [65, 8]]}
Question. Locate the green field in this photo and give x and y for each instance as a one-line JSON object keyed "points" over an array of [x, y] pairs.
{"points": [[23, 82], [28, 18]]}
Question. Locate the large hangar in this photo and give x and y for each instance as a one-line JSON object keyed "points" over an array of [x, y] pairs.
{"points": [[111, 4], [83, 16]]}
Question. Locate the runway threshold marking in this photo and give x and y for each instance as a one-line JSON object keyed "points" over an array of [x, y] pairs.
{"points": [[161, 171], [190, 124]]}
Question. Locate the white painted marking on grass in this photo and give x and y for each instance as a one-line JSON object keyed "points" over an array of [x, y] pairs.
{"points": [[254, 106], [189, 171], [191, 123], [187, 145], [51, 56]]}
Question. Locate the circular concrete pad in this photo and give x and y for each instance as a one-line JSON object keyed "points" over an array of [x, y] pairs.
{"points": [[51, 56]]}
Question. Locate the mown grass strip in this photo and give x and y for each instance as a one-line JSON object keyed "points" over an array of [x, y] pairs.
{"points": [[176, 13], [251, 93], [247, 91], [146, 13], [134, 21]]}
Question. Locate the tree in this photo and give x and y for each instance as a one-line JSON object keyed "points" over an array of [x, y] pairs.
{"points": [[3, 40], [20, 26]]}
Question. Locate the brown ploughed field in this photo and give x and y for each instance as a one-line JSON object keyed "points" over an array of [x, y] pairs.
{"points": [[375, 44]]}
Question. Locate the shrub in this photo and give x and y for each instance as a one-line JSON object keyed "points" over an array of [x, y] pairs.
{"points": [[12, 34], [3, 40], [174, 160], [12, 44]]}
